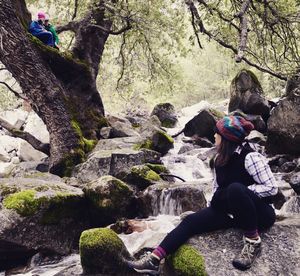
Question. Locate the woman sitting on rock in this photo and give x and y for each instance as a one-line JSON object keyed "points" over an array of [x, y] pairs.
{"points": [[243, 188]]}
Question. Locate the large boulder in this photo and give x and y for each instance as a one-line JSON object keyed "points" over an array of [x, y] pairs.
{"points": [[280, 253], [294, 181], [111, 199], [39, 213], [102, 252], [246, 94], [120, 127], [203, 124], [117, 162], [166, 114], [284, 125]]}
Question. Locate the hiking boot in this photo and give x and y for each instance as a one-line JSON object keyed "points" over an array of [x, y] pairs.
{"points": [[148, 264], [250, 251]]}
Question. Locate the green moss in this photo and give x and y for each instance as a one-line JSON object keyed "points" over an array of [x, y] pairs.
{"points": [[24, 203], [187, 261], [166, 136], [147, 144], [99, 251], [144, 173], [158, 168], [89, 144], [54, 53]]}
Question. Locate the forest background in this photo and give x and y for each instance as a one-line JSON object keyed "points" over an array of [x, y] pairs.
{"points": [[172, 68]]}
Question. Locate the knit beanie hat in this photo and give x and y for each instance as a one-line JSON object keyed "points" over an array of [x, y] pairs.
{"points": [[41, 15], [234, 128]]}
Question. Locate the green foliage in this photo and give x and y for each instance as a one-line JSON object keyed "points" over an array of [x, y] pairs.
{"points": [[187, 261]]}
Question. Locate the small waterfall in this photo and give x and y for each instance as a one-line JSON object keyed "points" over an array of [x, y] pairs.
{"points": [[166, 203]]}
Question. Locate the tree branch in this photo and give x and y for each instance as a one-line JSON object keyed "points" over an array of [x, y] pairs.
{"points": [[37, 144], [71, 26], [13, 91], [244, 30], [224, 44], [122, 30], [75, 10]]}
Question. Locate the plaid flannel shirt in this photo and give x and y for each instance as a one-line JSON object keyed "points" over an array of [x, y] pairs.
{"points": [[257, 166]]}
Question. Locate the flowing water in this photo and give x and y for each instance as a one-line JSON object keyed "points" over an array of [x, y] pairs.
{"points": [[166, 208]]}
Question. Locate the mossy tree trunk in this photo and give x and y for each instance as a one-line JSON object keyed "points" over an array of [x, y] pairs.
{"points": [[61, 88]]}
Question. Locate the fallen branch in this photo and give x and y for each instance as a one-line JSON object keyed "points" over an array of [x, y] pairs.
{"points": [[18, 95], [37, 144], [172, 175]]}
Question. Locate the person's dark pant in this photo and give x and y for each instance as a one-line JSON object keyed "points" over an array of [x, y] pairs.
{"points": [[46, 38], [249, 213]]}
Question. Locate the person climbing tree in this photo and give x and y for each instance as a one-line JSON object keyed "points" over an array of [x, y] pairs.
{"points": [[243, 190], [38, 30], [49, 27]]}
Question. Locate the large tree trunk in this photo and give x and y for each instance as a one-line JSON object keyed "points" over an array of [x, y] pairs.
{"points": [[61, 88]]}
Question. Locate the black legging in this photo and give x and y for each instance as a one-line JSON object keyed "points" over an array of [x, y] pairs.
{"points": [[248, 210]]}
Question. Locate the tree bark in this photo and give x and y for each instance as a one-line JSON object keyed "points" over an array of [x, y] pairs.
{"points": [[60, 88]]}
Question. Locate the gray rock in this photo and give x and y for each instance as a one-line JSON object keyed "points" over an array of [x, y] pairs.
{"points": [[280, 253], [295, 182], [121, 127], [36, 127], [117, 143], [27, 153], [12, 116], [257, 137], [108, 162], [203, 125], [284, 125], [257, 120], [166, 114], [292, 206], [246, 95], [105, 132], [39, 213], [288, 167]]}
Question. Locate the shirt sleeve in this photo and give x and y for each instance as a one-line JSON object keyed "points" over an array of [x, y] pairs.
{"points": [[257, 166]]}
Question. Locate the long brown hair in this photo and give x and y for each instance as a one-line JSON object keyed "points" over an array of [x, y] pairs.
{"points": [[225, 151]]}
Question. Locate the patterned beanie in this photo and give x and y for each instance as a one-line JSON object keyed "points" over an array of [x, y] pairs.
{"points": [[234, 128]]}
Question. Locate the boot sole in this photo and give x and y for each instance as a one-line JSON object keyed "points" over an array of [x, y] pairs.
{"points": [[147, 271]]}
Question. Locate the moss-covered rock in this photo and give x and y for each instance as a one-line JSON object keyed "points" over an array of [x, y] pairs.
{"points": [[160, 141], [187, 261], [158, 168], [110, 198], [102, 252], [142, 176], [56, 205], [166, 114]]}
